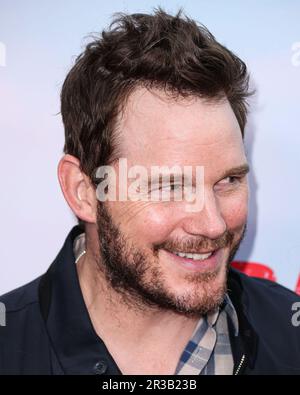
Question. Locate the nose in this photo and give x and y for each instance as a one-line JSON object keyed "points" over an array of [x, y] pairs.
{"points": [[208, 222]]}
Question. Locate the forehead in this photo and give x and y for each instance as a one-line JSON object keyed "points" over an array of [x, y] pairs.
{"points": [[156, 129]]}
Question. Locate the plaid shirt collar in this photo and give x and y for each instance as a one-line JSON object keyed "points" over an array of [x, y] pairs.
{"points": [[208, 352]]}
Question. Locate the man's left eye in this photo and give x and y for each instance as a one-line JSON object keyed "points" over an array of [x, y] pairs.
{"points": [[230, 180]]}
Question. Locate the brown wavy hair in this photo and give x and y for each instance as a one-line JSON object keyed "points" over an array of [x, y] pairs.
{"points": [[173, 53]]}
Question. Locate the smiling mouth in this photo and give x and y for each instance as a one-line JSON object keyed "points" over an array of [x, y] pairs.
{"points": [[196, 256], [203, 261]]}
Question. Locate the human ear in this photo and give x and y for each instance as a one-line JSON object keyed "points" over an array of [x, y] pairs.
{"points": [[77, 188]]}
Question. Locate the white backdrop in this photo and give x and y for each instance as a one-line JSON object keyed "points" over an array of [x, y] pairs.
{"points": [[39, 42]]}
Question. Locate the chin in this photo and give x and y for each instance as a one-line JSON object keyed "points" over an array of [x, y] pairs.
{"points": [[200, 295]]}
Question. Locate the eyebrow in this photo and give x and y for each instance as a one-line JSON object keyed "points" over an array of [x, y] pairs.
{"points": [[241, 170]]}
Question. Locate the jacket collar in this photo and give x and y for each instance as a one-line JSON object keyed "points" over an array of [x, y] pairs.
{"points": [[247, 341], [77, 346]]}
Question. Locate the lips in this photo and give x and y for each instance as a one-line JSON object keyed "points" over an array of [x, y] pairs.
{"points": [[194, 256], [209, 263]]}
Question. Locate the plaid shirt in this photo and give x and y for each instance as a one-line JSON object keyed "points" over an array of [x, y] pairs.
{"points": [[208, 352]]}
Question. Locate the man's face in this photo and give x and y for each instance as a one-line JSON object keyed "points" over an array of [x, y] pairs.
{"points": [[140, 241]]}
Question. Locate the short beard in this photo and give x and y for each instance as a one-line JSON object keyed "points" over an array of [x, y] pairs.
{"points": [[139, 280]]}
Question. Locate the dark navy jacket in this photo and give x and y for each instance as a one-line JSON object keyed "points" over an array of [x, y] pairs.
{"points": [[48, 329]]}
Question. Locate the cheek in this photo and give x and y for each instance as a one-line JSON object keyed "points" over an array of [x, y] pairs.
{"points": [[235, 210], [148, 223], [157, 226]]}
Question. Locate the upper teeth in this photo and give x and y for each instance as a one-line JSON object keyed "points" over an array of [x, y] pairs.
{"points": [[193, 256]]}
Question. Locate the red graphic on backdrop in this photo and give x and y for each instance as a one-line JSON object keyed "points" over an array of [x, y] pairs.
{"points": [[298, 286], [254, 269]]}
